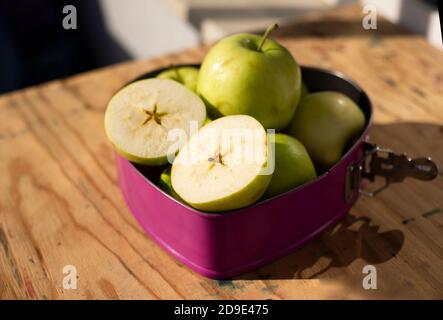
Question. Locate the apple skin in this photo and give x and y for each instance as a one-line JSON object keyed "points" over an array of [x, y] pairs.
{"points": [[186, 76], [249, 193], [165, 184], [324, 123], [145, 161], [304, 90], [235, 78], [243, 198], [293, 166]]}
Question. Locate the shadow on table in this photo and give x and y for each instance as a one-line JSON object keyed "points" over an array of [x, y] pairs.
{"points": [[353, 238], [357, 237]]}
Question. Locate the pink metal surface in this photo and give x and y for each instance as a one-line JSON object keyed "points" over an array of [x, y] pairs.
{"points": [[224, 245]]}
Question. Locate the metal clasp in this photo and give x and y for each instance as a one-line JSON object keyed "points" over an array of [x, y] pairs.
{"points": [[389, 165]]}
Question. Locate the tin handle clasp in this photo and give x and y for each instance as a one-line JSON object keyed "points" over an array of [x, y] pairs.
{"points": [[380, 162]]}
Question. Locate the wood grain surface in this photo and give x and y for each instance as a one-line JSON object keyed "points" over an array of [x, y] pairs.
{"points": [[60, 203]]}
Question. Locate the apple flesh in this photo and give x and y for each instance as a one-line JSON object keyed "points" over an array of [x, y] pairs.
{"points": [[293, 166], [325, 122], [223, 166], [184, 75], [251, 75], [139, 117]]}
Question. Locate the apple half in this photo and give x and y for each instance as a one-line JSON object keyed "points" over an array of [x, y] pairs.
{"points": [[224, 166], [140, 116]]}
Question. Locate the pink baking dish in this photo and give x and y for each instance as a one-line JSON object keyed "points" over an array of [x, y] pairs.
{"points": [[227, 244]]}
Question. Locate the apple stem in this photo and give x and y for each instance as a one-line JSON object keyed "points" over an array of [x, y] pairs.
{"points": [[268, 31]]}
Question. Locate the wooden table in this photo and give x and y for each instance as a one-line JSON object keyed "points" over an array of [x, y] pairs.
{"points": [[60, 203]]}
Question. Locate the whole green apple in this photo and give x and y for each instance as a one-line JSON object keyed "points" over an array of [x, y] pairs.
{"points": [[325, 122], [252, 75], [293, 166], [185, 75]]}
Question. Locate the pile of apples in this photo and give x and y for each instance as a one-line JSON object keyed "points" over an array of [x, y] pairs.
{"points": [[210, 127]]}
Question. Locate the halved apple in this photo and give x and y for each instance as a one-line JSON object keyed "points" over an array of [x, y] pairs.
{"points": [[140, 116], [224, 166]]}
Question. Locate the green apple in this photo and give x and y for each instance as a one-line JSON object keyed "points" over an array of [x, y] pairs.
{"points": [[324, 123], [293, 166], [304, 90], [207, 121], [223, 166], [252, 75], [185, 75], [165, 183], [140, 116]]}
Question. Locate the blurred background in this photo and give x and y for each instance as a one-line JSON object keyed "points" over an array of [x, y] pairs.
{"points": [[34, 46]]}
